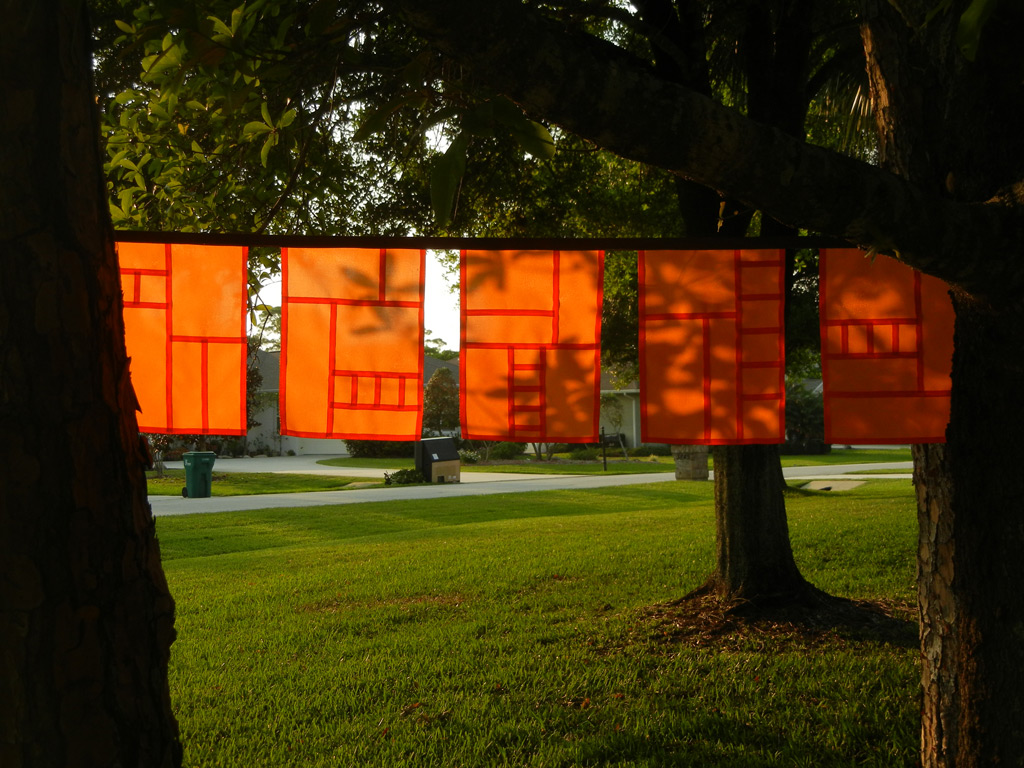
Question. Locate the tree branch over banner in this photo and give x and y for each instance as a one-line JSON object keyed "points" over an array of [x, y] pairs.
{"points": [[585, 85]]}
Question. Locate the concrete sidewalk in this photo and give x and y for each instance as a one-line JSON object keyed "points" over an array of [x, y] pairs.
{"points": [[473, 484]]}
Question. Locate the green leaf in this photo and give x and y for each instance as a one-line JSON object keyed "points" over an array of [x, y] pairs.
{"points": [[166, 59], [124, 27], [265, 111], [267, 145], [972, 22], [445, 179], [507, 112], [256, 127], [125, 96], [220, 26], [535, 139], [479, 121], [287, 118]]}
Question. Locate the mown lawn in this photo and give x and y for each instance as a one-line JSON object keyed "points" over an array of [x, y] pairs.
{"points": [[616, 464], [516, 630], [245, 483]]}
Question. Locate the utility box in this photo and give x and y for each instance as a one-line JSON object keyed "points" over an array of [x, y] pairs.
{"points": [[438, 460]]}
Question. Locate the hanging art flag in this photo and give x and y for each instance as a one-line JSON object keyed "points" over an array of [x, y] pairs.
{"points": [[886, 350], [184, 319], [712, 364], [352, 343], [530, 348]]}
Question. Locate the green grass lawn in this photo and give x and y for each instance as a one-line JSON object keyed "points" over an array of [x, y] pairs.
{"points": [[616, 465], [245, 483], [849, 456], [515, 630]]}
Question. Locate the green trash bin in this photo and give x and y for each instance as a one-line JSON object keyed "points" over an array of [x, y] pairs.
{"points": [[198, 474]]}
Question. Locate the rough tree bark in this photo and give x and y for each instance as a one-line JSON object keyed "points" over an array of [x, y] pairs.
{"points": [[86, 618]]}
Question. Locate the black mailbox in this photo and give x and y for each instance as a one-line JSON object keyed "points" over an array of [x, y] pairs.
{"points": [[438, 460]]}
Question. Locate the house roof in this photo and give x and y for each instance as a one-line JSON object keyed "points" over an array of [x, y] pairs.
{"points": [[432, 364]]}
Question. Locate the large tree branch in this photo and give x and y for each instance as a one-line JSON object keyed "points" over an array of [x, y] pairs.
{"points": [[586, 86]]}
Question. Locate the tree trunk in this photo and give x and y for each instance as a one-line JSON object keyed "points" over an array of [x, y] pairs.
{"points": [[971, 542], [86, 618], [754, 558], [938, 126]]}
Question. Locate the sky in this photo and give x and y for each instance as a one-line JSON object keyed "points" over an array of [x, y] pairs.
{"points": [[441, 310]]}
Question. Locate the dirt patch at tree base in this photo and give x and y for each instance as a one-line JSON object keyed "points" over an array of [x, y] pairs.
{"points": [[702, 619]]}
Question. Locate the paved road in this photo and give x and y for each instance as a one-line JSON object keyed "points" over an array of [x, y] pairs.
{"points": [[474, 484]]}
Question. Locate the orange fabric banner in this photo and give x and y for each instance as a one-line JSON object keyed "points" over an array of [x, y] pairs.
{"points": [[712, 364], [886, 350], [184, 320], [352, 343], [530, 365]]}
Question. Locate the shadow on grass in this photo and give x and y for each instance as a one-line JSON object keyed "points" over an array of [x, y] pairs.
{"points": [[233, 532]]}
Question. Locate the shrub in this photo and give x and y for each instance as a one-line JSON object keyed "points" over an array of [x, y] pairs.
{"points": [[380, 449], [468, 456], [508, 451], [403, 477], [583, 454], [651, 449]]}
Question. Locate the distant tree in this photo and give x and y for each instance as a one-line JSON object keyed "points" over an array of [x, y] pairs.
{"points": [[441, 402], [253, 384], [437, 347]]}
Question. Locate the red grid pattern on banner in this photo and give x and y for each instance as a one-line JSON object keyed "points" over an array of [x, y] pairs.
{"points": [[887, 349], [184, 316], [712, 363], [530, 347], [352, 343]]}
